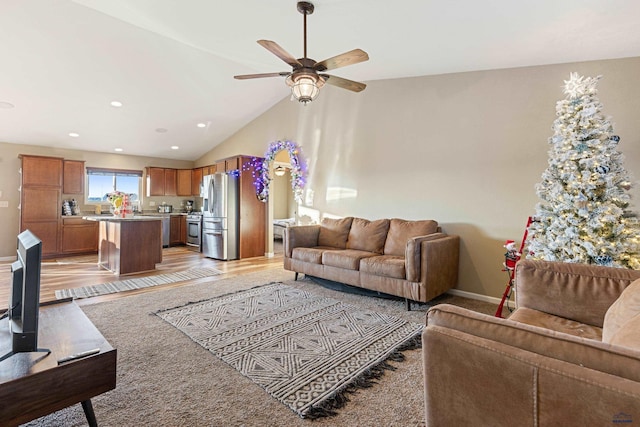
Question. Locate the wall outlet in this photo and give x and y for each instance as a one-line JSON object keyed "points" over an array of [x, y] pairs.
{"points": [[4, 204], [152, 203]]}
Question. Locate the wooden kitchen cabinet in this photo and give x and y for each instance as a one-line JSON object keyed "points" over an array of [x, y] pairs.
{"points": [[232, 164], [184, 182], [220, 166], [40, 204], [41, 200], [170, 182], [162, 182], [196, 181], [183, 230], [178, 230], [48, 232], [253, 223], [73, 177], [41, 171], [79, 236], [155, 181]]}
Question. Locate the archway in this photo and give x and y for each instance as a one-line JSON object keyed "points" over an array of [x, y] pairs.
{"points": [[296, 170]]}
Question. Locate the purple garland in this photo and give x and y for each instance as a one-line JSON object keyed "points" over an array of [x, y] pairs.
{"points": [[298, 170]]}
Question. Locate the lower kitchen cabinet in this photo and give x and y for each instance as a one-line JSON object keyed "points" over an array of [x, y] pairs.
{"points": [[178, 230], [47, 231], [79, 236]]}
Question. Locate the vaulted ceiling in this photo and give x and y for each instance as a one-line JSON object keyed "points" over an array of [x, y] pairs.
{"points": [[171, 62]]}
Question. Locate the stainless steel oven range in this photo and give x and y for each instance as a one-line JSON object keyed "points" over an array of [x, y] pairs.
{"points": [[194, 230]]}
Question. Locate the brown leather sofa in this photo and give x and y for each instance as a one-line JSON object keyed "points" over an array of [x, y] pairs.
{"points": [[569, 355], [410, 259]]}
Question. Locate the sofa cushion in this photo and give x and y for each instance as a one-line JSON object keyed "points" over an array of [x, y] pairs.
{"points": [[334, 232], [368, 235], [311, 255], [625, 308], [628, 335], [556, 323], [346, 258], [384, 265], [400, 231]]}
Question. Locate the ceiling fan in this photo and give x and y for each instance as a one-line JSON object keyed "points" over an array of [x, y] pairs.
{"points": [[305, 79]]}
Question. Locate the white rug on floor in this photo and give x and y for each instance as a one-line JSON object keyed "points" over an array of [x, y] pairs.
{"points": [[136, 283], [305, 350]]}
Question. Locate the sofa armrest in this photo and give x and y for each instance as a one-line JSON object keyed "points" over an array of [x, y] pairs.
{"points": [[305, 236], [580, 292], [433, 260]]}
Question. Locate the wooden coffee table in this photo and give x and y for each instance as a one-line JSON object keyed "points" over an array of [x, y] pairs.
{"points": [[35, 384]]}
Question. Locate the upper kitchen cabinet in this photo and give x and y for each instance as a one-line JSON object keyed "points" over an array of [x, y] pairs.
{"points": [[170, 182], [73, 177], [196, 181], [227, 165], [161, 182], [184, 187], [41, 171], [155, 181], [232, 164]]}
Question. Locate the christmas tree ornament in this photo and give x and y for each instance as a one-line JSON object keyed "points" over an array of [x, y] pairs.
{"points": [[584, 214]]}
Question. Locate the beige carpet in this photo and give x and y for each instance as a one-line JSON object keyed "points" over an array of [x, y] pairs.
{"points": [[166, 379]]}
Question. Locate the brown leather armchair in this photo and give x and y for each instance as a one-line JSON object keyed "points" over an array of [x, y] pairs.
{"points": [[569, 355]]}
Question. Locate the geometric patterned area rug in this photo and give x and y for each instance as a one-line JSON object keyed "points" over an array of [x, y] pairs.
{"points": [[136, 283], [305, 350]]}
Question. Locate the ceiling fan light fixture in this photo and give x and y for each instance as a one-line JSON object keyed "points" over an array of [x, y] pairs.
{"points": [[280, 171], [304, 80], [305, 87]]}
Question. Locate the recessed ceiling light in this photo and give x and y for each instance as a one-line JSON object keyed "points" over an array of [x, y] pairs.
{"points": [[201, 125], [116, 104], [7, 105], [161, 130], [118, 149], [174, 147], [74, 134]]}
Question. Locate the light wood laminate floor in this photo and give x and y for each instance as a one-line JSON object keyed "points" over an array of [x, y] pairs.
{"points": [[70, 272]]}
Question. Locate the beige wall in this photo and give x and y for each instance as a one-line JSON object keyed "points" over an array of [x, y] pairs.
{"points": [[10, 182], [465, 149]]}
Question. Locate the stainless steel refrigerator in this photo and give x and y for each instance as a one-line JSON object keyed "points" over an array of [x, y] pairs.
{"points": [[220, 217]]}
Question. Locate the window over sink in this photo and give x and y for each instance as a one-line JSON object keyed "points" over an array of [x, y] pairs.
{"points": [[101, 181]]}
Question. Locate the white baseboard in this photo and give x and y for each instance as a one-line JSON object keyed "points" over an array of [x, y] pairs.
{"points": [[475, 296], [269, 254], [8, 258]]}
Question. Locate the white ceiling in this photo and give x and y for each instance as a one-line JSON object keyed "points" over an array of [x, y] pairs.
{"points": [[171, 62]]}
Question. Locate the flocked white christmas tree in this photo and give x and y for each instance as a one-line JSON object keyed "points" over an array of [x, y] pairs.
{"points": [[584, 215]]}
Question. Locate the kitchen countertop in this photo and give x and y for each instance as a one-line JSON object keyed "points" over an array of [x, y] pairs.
{"points": [[119, 219]]}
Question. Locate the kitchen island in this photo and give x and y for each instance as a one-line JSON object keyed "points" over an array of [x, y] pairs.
{"points": [[129, 245]]}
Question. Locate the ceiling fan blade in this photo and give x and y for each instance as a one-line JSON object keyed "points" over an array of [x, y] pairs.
{"points": [[348, 58], [343, 83], [258, 76], [275, 48]]}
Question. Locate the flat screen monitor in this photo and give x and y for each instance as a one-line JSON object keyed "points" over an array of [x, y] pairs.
{"points": [[24, 305]]}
